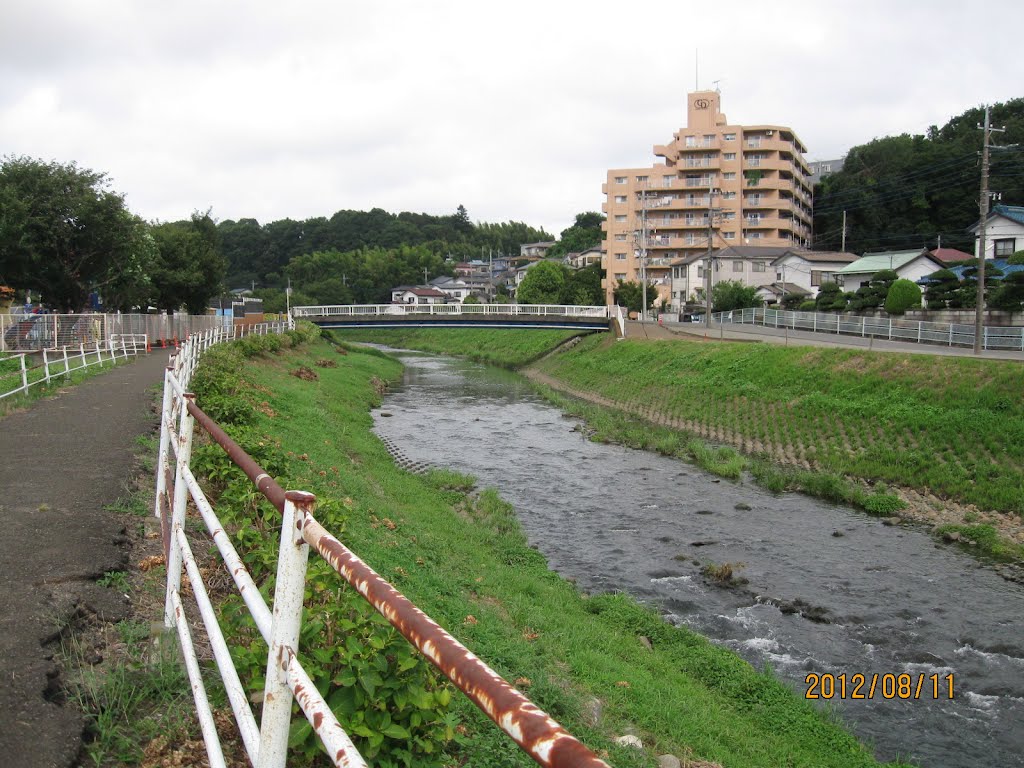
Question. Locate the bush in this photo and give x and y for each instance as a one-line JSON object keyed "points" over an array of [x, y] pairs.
{"points": [[903, 295], [808, 306]]}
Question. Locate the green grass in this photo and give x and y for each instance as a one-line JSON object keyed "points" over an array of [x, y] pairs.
{"points": [[464, 560]]}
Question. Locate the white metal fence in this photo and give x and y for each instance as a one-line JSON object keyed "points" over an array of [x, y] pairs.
{"points": [[891, 328], [266, 743], [28, 332], [21, 370], [546, 310]]}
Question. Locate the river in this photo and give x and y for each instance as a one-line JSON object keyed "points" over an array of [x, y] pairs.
{"points": [[828, 591]]}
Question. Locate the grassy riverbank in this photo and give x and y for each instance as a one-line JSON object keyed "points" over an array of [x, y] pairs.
{"points": [[839, 424], [464, 560]]}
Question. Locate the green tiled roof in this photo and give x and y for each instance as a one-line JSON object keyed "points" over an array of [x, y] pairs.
{"points": [[876, 262]]}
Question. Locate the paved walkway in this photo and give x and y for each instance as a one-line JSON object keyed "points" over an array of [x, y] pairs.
{"points": [[61, 462]]}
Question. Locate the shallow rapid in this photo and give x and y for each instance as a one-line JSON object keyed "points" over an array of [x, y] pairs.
{"points": [[829, 591]]}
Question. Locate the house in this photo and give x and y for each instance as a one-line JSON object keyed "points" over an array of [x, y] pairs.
{"points": [[809, 270], [584, 258], [414, 294], [758, 266], [777, 292], [909, 265], [1004, 232], [455, 288], [534, 250]]}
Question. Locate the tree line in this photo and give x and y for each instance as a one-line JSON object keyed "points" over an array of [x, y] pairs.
{"points": [[911, 191], [65, 235]]}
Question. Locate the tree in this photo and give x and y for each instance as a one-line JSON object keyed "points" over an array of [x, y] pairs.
{"points": [[583, 287], [943, 290], [188, 271], [630, 295], [543, 283], [732, 294], [871, 294], [583, 234], [830, 298], [64, 233], [1009, 295], [903, 295]]}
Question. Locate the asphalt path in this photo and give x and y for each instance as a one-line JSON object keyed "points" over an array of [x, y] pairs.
{"points": [[63, 460]]}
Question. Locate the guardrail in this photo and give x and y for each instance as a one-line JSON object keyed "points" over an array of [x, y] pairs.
{"points": [[266, 743], [549, 310], [890, 328], [17, 374]]}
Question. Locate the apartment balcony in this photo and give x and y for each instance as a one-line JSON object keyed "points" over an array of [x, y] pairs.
{"points": [[700, 162], [702, 143]]}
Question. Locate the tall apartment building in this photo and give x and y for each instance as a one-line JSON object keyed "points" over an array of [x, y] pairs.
{"points": [[742, 185]]}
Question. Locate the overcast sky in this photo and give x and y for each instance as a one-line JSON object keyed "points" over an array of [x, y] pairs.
{"points": [[516, 110]]}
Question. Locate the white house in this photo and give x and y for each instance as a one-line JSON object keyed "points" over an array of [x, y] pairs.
{"points": [[808, 270], [454, 288], [535, 250], [1004, 232], [411, 294], [584, 258], [909, 265]]}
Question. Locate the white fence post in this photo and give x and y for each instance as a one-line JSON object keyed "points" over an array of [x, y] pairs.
{"points": [[184, 438], [24, 373], [165, 439], [289, 591]]}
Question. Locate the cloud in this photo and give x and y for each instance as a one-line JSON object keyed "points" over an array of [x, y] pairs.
{"points": [[275, 110]]}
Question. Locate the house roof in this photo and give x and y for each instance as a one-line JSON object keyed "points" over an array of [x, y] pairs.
{"points": [[751, 252], [787, 289], [876, 262], [1011, 212], [946, 255], [1000, 264], [821, 257], [418, 291]]}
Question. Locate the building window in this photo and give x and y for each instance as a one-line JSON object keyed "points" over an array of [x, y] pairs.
{"points": [[620, 217], [641, 179], [754, 235], [700, 271], [757, 266], [709, 139], [737, 266], [620, 179], [620, 257], [729, 136], [620, 198], [728, 215], [621, 237], [729, 235], [730, 176], [620, 276], [728, 195], [666, 181], [1004, 247], [820, 277], [729, 156], [691, 141]]}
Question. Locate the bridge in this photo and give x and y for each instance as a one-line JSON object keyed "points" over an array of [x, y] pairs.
{"points": [[462, 316]]}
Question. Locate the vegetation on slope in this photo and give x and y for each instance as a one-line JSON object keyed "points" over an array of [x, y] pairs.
{"points": [[463, 559]]}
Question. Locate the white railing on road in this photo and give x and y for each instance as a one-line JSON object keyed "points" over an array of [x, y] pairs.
{"points": [[890, 328], [364, 310]]}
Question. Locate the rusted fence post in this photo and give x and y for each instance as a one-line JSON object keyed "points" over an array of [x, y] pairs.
{"points": [[289, 591]]}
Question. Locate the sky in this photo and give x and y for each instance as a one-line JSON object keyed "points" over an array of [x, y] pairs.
{"points": [[273, 110]]}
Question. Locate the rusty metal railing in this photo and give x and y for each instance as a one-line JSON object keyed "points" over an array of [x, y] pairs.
{"points": [[548, 743]]}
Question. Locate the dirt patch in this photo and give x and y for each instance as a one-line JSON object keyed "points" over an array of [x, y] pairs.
{"points": [[306, 373]]}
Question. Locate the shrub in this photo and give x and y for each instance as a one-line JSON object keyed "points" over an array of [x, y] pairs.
{"points": [[808, 306], [883, 504], [903, 295]]}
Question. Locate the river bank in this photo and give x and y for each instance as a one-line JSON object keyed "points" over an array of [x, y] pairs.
{"points": [[603, 666], [943, 438]]}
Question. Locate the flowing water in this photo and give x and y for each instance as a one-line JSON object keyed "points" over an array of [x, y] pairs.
{"points": [[829, 591]]}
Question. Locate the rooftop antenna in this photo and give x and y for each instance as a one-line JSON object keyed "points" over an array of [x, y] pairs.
{"points": [[696, 69], [717, 89]]}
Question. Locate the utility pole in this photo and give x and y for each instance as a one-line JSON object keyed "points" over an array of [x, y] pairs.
{"points": [[979, 311], [843, 248], [709, 261], [643, 253], [424, 275]]}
